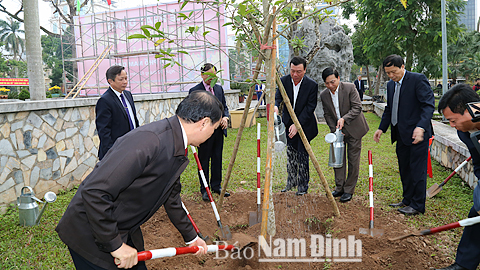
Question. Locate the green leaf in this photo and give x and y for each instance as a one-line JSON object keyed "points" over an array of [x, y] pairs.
{"points": [[221, 81], [157, 25], [136, 36], [146, 32], [184, 4], [242, 9], [206, 33], [184, 52], [183, 16], [228, 23]]}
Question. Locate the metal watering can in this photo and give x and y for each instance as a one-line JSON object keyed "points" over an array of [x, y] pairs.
{"points": [[280, 135], [28, 212], [337, 146]]}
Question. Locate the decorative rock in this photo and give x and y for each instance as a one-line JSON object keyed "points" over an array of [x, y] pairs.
{"points": [[44, 186], [20, 115], [6, 148], [68, 114], [27, 139], [35, 174], [8, 184], [53, 113], [68, 125], [66, 153], [75, 115], [83, 158], [84, 113], [41, 156], [13, 163], [34, 143], [71, 166], [46, 173], [18, 176], [49, 119], [49, 130], [91, 161], [19, 135], [56, 164], [91, 129], [63, 162], [13, 139], [69, 144], [60, 136], [17, 125], [85, 128], [5, 130], [8, 196], [4, 175], [34, 119], [79, 171], [63, 181], [60, 146], [29, 161], [56, 175], [86, 174], [27, 127], [42, 140], [71, 132], [49, 144], [88, 142], [23, 153], [51, 154], [96, 141], [58, 125]]}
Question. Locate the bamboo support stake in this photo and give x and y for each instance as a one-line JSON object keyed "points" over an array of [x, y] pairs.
{"points": [[244, 118], [271, 136], [307, 146]]}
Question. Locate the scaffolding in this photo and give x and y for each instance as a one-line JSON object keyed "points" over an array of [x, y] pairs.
{"points": [[95, 32]]}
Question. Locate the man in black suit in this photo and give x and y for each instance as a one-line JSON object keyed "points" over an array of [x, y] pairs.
{"points": [[409, 110], [139, 175], [454, 108], [212, 148], [115, 110], [302, 92], [360, 85]]}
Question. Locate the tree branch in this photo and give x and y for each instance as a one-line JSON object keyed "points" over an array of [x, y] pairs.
{"points": [[15, 16]]}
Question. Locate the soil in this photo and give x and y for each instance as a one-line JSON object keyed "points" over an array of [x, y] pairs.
{"points": [[299, 217]]}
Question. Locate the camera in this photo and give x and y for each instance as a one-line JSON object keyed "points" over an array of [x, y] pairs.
{"points": [[474, 110]]}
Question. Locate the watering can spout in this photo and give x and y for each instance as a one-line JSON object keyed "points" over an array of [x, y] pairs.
{"points": [[49, 198]]}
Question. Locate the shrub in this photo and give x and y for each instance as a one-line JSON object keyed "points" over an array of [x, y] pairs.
{"points": [[13, 94], [24, 94]]}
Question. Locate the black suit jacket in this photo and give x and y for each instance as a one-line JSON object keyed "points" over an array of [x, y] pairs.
{"points": [[218, 90], [111, 119], [360, 85], [415, 107], [141, 173], [304, 107]]}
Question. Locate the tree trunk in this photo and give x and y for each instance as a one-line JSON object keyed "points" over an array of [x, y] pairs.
{"points": [[34, 50], [379, 78], [369, 82], [409, 61]]}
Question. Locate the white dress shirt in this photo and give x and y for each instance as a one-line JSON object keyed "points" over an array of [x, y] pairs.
{"points": [[129, 107], [296, 88], [335, 101]]}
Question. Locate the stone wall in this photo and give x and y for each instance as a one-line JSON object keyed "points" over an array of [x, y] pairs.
{"points": [[53, 144], [446, 148]]}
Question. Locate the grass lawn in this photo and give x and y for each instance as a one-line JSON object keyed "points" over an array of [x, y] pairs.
{"points": [[40, 248]]}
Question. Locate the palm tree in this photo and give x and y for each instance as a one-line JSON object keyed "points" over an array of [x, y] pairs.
{"points": [[9, 35]]}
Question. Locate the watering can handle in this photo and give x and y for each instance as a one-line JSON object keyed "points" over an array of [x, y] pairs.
{"points": [[21, 191]]}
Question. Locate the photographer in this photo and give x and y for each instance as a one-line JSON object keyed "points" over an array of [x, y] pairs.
{"points": [[453, 105]]}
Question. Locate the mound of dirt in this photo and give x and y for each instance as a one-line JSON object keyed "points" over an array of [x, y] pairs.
{"points": [[298, 217]]}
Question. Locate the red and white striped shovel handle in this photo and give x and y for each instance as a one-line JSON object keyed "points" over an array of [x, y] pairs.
{"points": [[461, 223], [258, 165], [370, 186]]}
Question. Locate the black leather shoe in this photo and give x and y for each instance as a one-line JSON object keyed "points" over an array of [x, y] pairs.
{"points": [[205, 196], [346, 197], [408, 211], [287, 188], [300, 193], [454, 266], [337, 193], [400, 204], [220, 191]]}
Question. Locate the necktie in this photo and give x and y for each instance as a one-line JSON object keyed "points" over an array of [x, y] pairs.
{"points": [[126, 109], [396, 97], [211, 90]]}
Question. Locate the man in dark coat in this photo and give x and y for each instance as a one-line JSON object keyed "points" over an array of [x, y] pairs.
{"points": [[212, 148], [115, 110], [453, 106], [139, 175], [360, 85], [302, 92], [409, 110]]}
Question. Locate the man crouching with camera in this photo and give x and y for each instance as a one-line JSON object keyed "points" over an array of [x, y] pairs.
{"points": [[461, 107]]}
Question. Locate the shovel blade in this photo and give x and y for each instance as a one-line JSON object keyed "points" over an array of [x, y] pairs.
{"points": [[253, 218], [433, 190], [226, 234], [372, 232]]}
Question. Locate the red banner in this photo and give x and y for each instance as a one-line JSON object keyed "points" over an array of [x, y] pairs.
{"points": [[13, 82]]}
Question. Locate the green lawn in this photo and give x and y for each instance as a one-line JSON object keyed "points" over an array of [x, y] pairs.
{"points": [[40, 248]]}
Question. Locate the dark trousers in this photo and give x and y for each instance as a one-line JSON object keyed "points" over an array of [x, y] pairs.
{"points": [[353, 148], [360, 93], [297, 166], [211, 149], [412, 162], [468, 251], [83, 264]]}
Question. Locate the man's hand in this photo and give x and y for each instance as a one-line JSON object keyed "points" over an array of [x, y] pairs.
{"points": [[377, 135], [201, 244], [224, 122], [417, 135], [125, 256], [292, 131], [275, 109], [340, 123]]}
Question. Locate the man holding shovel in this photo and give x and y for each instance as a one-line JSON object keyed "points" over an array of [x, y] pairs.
{"points": [[140, 174], [453, 105]]}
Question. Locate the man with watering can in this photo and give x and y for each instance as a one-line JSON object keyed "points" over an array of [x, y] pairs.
{"points": [[454, 105], [139, 174]]}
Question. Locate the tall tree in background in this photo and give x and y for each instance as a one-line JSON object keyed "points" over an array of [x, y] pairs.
{"points": [[414, 32], [10, 36]]}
